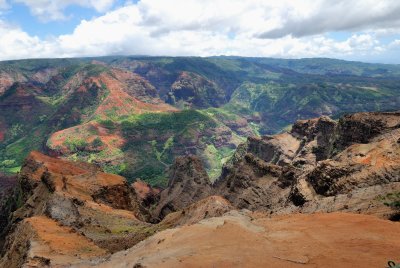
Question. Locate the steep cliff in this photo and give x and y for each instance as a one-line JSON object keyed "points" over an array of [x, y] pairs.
{"points": [[320, 165]]}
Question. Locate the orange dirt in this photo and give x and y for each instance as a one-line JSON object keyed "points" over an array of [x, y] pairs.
{"points": [[121, 103], [377, 155], [88, 132], [79, 180], [236, 240], [63, 240], [110, 210], [54, 165]]}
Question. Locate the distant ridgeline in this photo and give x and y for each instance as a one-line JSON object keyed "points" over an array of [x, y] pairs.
{"points": [[134, 115]]}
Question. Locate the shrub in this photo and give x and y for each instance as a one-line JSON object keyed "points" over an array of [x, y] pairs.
{"points": [[97, 142], [75, 145]]}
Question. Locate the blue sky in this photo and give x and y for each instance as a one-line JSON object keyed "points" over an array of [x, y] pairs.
{"points": [[19, 14], [363, 30]]}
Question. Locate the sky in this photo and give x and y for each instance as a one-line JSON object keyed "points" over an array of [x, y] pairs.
{"points": [[363, 30]]}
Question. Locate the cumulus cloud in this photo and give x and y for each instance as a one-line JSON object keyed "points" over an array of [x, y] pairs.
{"points": [[340, 15], [48, 10], [283, 28], [16, 44]]}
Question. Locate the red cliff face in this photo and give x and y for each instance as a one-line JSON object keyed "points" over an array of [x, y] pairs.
{"points": [[79, 203]]}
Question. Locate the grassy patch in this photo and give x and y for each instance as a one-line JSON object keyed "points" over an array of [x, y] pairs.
{"points": [[390, 199]]}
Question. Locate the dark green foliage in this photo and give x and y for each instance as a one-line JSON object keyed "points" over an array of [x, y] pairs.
{"points": [[155, 139], [391, 200], [97, 142], [76, 145], [162, 122]]}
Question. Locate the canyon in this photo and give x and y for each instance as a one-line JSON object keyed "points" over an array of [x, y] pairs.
{"points": [[325, 193]]}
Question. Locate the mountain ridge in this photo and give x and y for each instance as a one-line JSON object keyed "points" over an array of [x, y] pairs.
{"points": [[220, 101]]}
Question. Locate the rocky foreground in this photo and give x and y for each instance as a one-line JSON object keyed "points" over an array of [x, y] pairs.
{"points": [[269, 208]]}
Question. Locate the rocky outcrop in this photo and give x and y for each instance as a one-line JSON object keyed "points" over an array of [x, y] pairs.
{"points": [[82, 204], [41, 242], [67, 213], [304, 170], [213, 206], [188, 183], [357, 156], [251, 183]]}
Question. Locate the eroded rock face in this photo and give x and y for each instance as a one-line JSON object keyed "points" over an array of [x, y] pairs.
{"points": [[363, 127], [188, 183], [147, 197], [318, 159], [41, 242], [70, 212], [251, 183], [92, 206], [213, 206], [302, 169]]}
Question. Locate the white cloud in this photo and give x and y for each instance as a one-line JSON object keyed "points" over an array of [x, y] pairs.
{"points": [[212, 27], [395, 44], [17, 44], [339, 15], [48, 10]]}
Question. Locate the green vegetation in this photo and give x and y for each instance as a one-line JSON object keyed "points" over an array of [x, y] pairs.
{"points": [[97, 143], [164, 122], [234, 96], [391, 200], [216, 158], [157, 138], [76, 144]]}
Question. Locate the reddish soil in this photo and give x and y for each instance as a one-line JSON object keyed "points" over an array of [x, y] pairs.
{"points": [[121, 103], [63, 240], [118, 102], [377, 155], [312, 240], [53, 165], [87, 132]]}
